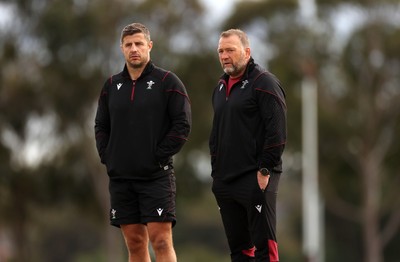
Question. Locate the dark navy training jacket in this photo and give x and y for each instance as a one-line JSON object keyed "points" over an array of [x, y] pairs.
{"points": [[141, 124], [249, 125]]}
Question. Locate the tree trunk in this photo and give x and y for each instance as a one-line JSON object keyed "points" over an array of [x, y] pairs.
{"points": [[113, 240], [19, 232], [371, 191]]}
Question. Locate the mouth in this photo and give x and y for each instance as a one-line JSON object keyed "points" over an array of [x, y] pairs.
{"points": [[134, 57]]}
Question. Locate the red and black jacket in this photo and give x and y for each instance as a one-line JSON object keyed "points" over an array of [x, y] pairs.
{"points": [[249, 125], [140, 124]]}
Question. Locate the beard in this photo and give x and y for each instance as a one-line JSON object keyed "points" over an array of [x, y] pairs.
{"points": [[137, 64], [236, 68]]}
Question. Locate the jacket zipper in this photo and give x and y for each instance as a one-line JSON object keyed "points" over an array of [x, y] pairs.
{"points": [[133, 90], [225, 86], [228, 91]]}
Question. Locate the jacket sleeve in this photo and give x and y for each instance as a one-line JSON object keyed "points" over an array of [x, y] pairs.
{"points": [[102, 123], [271, 101], [212, 143], [179, 111]]}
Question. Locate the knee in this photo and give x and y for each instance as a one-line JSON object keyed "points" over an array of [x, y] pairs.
{"points": [[161, 245], [136, 242]]}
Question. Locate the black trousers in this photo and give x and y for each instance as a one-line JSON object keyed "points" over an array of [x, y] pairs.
{"points": [[249, 217]]}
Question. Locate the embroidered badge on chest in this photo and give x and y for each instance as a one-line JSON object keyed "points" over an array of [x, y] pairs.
{"points": [[244, 83], [150, 84]]}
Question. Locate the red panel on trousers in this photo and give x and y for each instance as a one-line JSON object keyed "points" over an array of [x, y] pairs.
{"points": [[273, 251], [249, 252]]}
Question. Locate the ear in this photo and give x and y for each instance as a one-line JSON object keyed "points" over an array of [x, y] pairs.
{"points": [[150, 45], [121, 45], [247, 52]]}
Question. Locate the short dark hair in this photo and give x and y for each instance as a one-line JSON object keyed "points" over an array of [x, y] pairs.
{"points": [[135, 28]]}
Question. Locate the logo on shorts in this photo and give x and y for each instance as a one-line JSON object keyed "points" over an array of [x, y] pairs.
{"points": [[159, 211], [258, 207], [113, 213]]}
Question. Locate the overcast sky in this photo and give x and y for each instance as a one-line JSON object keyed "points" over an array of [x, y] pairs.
{"points": [[218, 10]]}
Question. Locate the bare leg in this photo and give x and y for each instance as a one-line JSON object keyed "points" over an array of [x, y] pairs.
{"points": [[137, 241], [161, 240]]}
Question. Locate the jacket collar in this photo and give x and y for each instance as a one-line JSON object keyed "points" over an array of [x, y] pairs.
{"points": [[148, 68]]}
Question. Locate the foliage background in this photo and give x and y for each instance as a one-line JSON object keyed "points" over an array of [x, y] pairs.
{"points": [[55, 55]]}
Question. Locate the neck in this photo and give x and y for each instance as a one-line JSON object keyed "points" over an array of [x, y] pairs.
{"points": [[236, 77], [135, 72]]}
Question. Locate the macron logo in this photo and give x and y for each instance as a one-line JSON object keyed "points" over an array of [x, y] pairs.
{"points": [[119, 85]]}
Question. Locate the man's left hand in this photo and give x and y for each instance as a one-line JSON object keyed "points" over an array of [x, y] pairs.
{"points": [[262, 180]]}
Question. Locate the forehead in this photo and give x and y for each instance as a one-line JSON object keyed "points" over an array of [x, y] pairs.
{"points": [[229, 41], [137, 37]]}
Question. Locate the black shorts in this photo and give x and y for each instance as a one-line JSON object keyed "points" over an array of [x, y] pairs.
{"points": [[143, 201]]}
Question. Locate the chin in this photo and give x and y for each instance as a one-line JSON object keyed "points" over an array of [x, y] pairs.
{"points": [[137, 65], [228, 71]]}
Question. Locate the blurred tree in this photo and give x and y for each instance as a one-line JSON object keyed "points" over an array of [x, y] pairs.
{"points": [[51, 53], [55, 56], [348, 47], [362, 113]]}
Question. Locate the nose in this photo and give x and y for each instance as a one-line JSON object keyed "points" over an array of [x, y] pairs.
{"points": [[133, 48], [223, 55]]}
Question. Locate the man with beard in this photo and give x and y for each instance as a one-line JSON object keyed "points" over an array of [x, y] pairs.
{"points": [[247, 141]]}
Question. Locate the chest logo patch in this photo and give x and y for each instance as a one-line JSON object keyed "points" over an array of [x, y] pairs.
{"points": [[244, 83], [150, 84], [119, 85], [221, 86]]}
